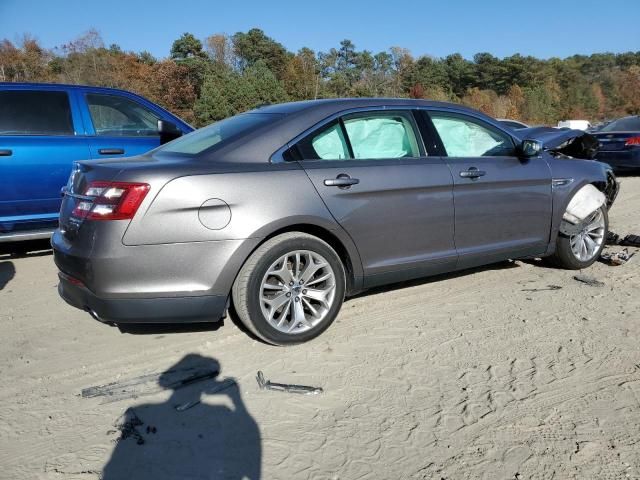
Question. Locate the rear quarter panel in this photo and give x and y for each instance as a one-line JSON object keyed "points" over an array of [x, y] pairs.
{"points": [[258, 203]]}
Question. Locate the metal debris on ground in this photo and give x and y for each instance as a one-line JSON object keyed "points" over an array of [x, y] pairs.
{"points": [[186, 406], [226, 383], [589, 281], [616, 258], [284, 387], [148, 384], [548, 287]]}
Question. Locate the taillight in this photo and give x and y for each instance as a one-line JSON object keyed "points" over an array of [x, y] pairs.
{"points": [[633, 141], [112, 200]]}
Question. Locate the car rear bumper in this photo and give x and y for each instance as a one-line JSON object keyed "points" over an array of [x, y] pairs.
{"points": [[167, 283], [206, 308]]}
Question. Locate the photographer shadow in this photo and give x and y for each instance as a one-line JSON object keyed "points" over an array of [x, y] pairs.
{"points": [[214, 440]]}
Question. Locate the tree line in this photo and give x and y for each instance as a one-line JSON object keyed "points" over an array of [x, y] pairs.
{"points": [[221, 75]]}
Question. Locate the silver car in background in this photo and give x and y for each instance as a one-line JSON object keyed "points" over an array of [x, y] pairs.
{"points": [[283, 211]]}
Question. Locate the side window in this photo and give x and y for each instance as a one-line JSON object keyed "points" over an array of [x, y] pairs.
{"points": [[327, 144], [464, 136], [382, 135], [363, 136], [24, 112], [114, 115]]}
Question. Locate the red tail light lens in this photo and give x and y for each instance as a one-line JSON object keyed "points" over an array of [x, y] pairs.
{"points": [[112, 200], [633, 141]]}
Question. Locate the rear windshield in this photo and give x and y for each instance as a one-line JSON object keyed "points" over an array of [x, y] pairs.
{"points": [[628, 124], [217, 133]]}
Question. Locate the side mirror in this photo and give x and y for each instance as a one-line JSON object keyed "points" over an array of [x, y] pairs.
{"points": [[530, 148], [168, 131]]}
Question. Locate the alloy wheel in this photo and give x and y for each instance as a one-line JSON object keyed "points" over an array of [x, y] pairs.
{"points": [[297, 292], [586, 244]]}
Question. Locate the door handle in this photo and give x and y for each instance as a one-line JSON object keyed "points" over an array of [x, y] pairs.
{"points": [[473, 173], [341, 181], [5, 152], [111, 151]]}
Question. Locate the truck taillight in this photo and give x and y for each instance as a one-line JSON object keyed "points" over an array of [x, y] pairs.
{"points": [[633, 141], [111, 200]]}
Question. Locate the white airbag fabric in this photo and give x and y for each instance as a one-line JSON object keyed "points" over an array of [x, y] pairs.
{"points": [[586, 201], [464, 139], [378, 138]]}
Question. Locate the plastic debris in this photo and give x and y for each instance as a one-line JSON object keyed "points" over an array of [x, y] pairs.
{"points": [[612, 238], [616, 258], [592, 282], [128, 428], [630, 241], [284, 387]]}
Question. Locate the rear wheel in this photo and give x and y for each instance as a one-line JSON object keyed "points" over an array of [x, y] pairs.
{"points": [[290, 289], [583, 248]]}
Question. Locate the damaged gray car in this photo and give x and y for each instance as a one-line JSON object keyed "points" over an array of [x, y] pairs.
{"points": [[282, 212]]}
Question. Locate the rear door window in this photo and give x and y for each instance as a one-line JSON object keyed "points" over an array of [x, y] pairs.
{"points": [[382, 135], [30, 112], [363, 136], [114, 115]]}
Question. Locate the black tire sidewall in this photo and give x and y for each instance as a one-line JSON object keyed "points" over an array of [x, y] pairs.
{"points": [[565, 255], [260, 324]]}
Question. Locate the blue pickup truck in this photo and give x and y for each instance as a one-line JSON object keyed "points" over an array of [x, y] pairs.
{"points": [[44, 128]]}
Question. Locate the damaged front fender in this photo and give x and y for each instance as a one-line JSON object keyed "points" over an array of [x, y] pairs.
{"points": [[570, 143]]}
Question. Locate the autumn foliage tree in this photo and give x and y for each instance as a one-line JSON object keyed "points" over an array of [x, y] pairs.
{"points": [[204, 80]]}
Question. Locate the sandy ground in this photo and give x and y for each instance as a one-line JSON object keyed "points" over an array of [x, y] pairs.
{"points": [[474, 375]]}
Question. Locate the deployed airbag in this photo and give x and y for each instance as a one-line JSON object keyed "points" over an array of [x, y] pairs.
{"points": [[586, 201]]}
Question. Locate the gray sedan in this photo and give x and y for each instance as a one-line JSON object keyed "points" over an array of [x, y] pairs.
{"points": [[282, 212]]}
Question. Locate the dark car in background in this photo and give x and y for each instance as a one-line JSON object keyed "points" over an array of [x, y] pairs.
{"points": [[620, 144], [44, 128], [284, 210]]}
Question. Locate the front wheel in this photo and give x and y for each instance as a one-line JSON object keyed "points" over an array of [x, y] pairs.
{"points": [[290, 289], [583, 248]]}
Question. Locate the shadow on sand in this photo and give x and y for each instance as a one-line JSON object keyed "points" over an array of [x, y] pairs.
{"points": [[7, 272], [215, 439]]}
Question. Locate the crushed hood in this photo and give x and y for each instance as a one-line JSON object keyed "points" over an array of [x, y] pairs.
{"points": [[573, 143]]}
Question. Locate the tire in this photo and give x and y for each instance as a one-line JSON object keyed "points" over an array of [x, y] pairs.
{"points": [[282, 313], [565, 255]]}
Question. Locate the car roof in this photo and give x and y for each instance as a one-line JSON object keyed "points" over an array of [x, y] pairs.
{"points": [[57, 86], [295, 118], [339, 104]]}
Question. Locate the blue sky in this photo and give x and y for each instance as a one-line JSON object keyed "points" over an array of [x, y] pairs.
{"points": [[541, 28]]}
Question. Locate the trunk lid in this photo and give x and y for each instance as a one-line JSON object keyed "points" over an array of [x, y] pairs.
{"points": [[614, 141]]}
